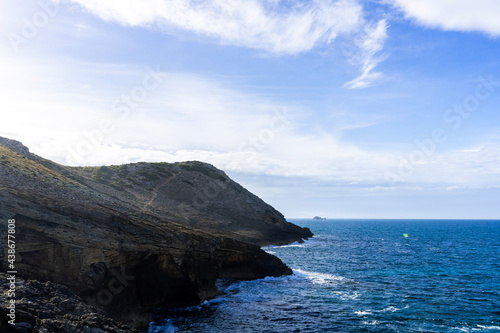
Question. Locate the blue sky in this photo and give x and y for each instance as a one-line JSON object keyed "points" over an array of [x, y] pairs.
{"points": [[342, 108]]}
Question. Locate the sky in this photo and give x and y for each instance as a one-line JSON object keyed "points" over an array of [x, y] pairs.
{"points": [[336, 108]]}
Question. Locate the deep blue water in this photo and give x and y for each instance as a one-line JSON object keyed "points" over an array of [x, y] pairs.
{"points": [[366, 276]]}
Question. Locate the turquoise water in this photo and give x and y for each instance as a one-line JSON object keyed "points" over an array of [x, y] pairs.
{"points": [[366, 276]]}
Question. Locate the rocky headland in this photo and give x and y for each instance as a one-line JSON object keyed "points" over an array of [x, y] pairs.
{"points": [[123, 240]]}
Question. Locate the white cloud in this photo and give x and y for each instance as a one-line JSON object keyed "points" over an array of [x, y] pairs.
{"points": [[370, 44], [265, 25], [268, 25], [322, 159], [189, 117], [456, 15], [472, 168]]}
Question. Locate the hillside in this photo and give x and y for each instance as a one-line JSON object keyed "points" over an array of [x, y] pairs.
{"points": [[143, 234]]}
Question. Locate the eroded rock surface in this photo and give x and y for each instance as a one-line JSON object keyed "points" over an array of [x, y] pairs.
{"points": [[50, 307]]}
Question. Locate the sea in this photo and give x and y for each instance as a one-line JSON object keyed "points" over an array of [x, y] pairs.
{"points": [[365, 276]]}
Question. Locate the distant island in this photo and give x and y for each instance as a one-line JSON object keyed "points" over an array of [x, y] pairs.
{"points": [[319, 218]]}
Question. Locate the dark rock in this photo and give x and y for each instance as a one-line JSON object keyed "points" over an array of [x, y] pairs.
{"points": [[50, 307]]}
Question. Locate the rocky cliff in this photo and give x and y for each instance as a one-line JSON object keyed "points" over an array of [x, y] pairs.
{"points": [[51, 307], [131, 237]]}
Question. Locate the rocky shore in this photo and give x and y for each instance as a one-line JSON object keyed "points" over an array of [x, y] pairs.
{"points": [[119, 241], [51, 307]]}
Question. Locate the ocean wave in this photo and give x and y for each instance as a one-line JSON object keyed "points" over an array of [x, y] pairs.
{"points": [[307, 243], [293, 245], [162, 327], [388, 309], [477, 328], [393, 309], [496, 328], [363, 313], [319, 278], [296, 244], [347, 296]]}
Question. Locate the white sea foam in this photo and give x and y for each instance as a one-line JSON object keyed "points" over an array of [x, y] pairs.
{"points": [[489, 327], [319, 278], [363, 313], [274, 278], [293, 245], [270, 247], [307, 243], [388, 309], [393, 309], [348, 296], [467, 329]]}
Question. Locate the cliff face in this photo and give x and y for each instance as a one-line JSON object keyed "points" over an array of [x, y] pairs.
{"points": [[193, 194], [129, 238]]}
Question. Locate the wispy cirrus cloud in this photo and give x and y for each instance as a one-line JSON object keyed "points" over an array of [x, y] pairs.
{"points": [[273, 26], [267, 25], [370, 44], [455, 15]]}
